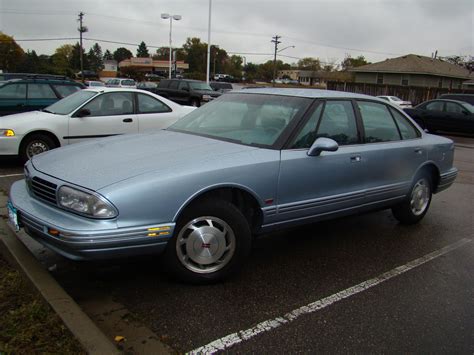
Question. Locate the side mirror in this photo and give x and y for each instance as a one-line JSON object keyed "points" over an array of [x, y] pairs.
{"points": [[83, 112], [322, 145]]}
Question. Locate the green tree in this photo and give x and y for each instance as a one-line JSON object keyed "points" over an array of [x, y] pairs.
{"points": [[75, 61], [94, 57], [265, 70], [349, 62], [30, 63], [142, 51], [61, 59], [196, 52], [309, 63], [107, 55], [11, 54], [122, 53]]}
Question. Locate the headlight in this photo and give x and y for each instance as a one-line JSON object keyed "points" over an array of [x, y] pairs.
{"points": [[7, 132], [206, 97], [85, 203]]}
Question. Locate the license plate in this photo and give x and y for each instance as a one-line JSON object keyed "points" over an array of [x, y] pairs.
{"points": [[13, 216]]}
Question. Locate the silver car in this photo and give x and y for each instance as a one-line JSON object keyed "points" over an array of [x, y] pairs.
{"points": [[248, 163]]}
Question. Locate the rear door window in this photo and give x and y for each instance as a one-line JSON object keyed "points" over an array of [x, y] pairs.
{"points": [[434, 106], [454, 107], [407, 130], [148, 104], [40, 91], [174, 84], [379, 125]]}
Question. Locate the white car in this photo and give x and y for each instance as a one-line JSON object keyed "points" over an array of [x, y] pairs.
{"points": [[396, 101], [121, 83], [87, 114]]}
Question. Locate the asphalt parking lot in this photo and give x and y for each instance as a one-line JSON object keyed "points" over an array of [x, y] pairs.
{"points": [[358, 284]]}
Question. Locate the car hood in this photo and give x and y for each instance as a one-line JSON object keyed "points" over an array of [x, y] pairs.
{"points": [[100, 163], [10, 121]]}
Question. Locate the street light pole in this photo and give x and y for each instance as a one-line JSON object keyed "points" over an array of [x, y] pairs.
{"points": [[276, 41], [208, 66], [176, 18]]}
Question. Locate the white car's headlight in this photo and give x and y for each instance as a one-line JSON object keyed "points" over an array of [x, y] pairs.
{"points": [[7, 132], [85, 203]]}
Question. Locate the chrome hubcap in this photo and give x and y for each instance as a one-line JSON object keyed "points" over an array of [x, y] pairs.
{"points": [[420, 197], [36, 147], [205, 245]]}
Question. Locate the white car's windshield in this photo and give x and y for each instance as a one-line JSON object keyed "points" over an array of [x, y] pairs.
{"points": [[70, 103], [244, 118]]}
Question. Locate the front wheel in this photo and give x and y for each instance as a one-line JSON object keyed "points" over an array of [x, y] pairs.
{"points": [[414, 208], [35, 144], [210, 243]]}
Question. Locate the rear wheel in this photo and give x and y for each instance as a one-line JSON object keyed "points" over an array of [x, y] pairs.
{"points": [[35, 144], [211, 241], [414, 208]]}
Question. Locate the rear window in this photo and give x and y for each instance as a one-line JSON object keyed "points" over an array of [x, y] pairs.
{"points": [[465, 98], [128, 82]]}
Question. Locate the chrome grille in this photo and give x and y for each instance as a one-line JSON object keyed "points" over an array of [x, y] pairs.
{"points": [[44, 190]]}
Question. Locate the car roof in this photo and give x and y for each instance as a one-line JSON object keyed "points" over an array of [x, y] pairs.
{"points": [[448, 100], [308, 93], [107, 89]]}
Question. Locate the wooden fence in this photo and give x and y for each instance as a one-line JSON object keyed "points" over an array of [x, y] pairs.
{"points": [[408, 93]]}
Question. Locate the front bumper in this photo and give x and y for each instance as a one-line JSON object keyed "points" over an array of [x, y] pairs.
{"points": [[81, 238], [10, 145]]}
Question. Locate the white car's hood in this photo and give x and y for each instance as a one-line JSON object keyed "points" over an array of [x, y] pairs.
{"points": [[22, 119]]}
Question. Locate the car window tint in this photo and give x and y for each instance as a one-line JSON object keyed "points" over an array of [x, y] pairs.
{"points": [[13, 91], [112, 104], [338, 123], [406, 128], [40, 91], [307, 135], [163, 83], [66, 90], [378, 123], [174, 84], [128, 82], [148, 104], [183, 85], [434, 106], [453, 107]]}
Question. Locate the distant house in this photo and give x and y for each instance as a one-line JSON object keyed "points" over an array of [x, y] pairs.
{"points": [[149, 65], [413, 70]]}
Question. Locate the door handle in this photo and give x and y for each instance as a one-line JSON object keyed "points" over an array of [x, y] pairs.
{"points": [[418, 150], [356, 159], [127, 120]]}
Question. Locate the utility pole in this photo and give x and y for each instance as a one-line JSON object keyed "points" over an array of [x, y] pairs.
{"points": [[276, 41], [81, 30], [208, 63]]}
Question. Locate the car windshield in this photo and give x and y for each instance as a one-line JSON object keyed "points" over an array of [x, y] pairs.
{"points": [[199, 86], [249, 119], [70, 103]]}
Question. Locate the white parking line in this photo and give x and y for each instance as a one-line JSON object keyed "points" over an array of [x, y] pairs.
{"points": [[235, 338], [11, 175]]}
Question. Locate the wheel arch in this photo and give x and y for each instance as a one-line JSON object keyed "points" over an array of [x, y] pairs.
{"points": [[240, 196], [39, 131], [433, 170]]}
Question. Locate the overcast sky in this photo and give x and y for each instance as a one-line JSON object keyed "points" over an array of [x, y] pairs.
{"points": [[327, 29]]}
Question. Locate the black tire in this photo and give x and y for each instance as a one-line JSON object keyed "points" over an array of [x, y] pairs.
{"points": [[412, 210], [195, 102], [188, 244], [35, 144]]}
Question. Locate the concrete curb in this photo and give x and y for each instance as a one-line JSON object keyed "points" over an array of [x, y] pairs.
{"points": [[83, 328]]}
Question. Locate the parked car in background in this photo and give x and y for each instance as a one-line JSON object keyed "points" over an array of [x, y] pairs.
{"points": [[91, 84], [148, 86], [221, 87], [88, 74], [85, 115], [444, 115], [34, 93], [396, 101], [247, 163], [469, 98], [153, 77], [121, 83], [186, 92]]}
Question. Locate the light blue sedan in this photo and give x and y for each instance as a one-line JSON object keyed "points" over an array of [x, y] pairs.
{"points": [[250, 162]]}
